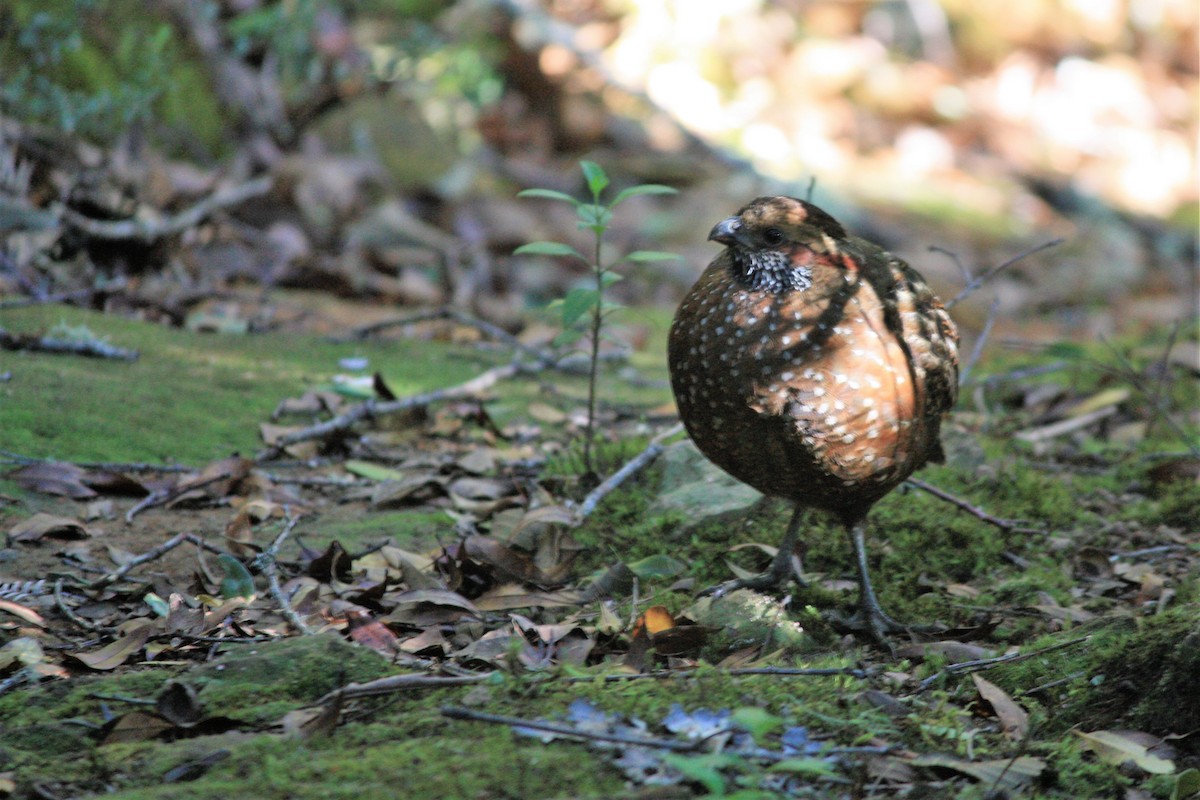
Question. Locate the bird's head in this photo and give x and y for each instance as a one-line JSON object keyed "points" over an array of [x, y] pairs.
{"points": [[774, 241]]}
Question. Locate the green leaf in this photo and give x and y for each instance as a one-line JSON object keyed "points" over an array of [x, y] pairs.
{"points": [[593, 217], [567, 337], [577, 303], [237, 581], [157, 604], [372, 471], [547, 249], [1188, 785], [608, 278], [596, 178], [757, 722], [652, 255], [659, 566], [704, 770], [644, 188], [803, 766], [549, 194]]}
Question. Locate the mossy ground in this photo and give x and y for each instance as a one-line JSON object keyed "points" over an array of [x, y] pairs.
{"points": [[192, 398]]}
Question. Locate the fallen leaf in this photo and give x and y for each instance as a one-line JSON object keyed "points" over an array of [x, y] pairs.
{"points": [[53, 477], [1005, 773], [41, 524], [1014, 720], [136, 726], [24, 612], [1117, 747], [119, 651]]}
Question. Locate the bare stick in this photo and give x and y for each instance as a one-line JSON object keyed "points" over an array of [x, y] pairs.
{"points": [[455, 712], [374, 408], [1131, 374], [92, 348], [488, 329], [60, 602], [980, 280], [152, 228], [113, 286], [980, 664], [395, 683], [167, 495], [631, 467], [266, 561], [977, 350], [150, 555], [1006, 525]]}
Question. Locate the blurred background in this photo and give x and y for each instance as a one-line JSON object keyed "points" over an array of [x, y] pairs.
{"points": [[397, 134]]}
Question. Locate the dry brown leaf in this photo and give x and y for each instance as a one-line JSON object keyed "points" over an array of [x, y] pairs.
{"points": [[1005, 773], [310, 723], [42, 524], [119, 651], [1014, 720], [1117, 747], [136, 726], [23, 612], [53, 477]]}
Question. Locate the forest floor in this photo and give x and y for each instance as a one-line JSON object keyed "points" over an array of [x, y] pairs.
{"points": [[538, 650]]}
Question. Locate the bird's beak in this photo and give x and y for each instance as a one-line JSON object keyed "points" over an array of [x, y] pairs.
{"points": [[725, 231]]}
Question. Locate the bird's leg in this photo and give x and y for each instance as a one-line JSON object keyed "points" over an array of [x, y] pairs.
{"points": [[779, 574], [870, 618]]}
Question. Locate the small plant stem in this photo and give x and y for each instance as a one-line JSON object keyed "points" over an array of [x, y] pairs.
{"points": [[597, 318]]}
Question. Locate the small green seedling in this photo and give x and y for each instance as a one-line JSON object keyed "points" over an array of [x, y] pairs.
{"points": [[584, 308]]}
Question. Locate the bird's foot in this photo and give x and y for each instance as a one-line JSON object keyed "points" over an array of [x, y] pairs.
{"points": [[775, 579], [871, 621]]}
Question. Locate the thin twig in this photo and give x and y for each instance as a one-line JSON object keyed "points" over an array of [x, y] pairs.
{"points": [[980, 664], [980, 341], [373, 408], [9, 457], [1006, 525], [1131, 374], [488, 329], [631, 467], [167, 495], [980, 280], [455, 712], [394, 683], [113, 286], [60, 603], [149, 555], [92, 348], [152, 228], [266, 561]]}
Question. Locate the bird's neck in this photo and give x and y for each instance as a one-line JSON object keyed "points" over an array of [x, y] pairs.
{"points": [[770, 271]]}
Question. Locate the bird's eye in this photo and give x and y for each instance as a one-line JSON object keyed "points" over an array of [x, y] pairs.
{"points": [[773, 236]]}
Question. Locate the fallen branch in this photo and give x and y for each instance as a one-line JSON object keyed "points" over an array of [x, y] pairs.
{"points": [[151, 227], [109, 287], [488, 329], [60, 603], [373, 408], [150, 555], [981, 664], [1006, 525], [975, 283], [266, 562], [92, 348], [456, 712], [394, 683], [167, 495], [634, 465]]}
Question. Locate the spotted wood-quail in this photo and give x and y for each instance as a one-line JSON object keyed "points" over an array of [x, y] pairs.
{"points": [[814, 366]]}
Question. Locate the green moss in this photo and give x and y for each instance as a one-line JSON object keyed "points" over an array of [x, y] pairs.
{"points": [[189, 398]]}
